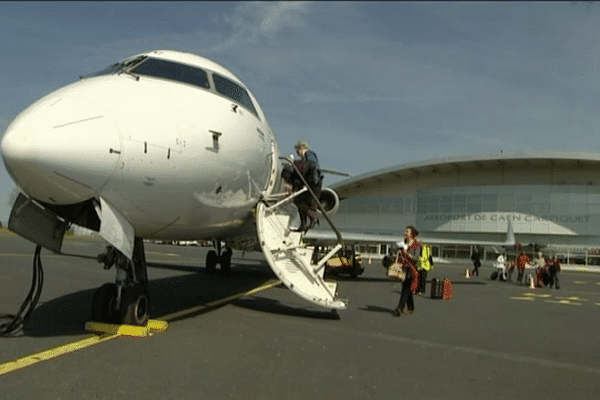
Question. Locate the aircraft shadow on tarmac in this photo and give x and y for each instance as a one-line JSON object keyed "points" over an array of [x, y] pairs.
{"points": [[272, 306], [67, 315], [343, 278], [377, 309]]}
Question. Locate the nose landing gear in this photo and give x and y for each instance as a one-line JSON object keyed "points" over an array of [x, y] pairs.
{"points": [[126, 301], [216, 257]]}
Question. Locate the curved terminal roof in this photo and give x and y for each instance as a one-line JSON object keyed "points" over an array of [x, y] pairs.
{"points": [[478, 162]]}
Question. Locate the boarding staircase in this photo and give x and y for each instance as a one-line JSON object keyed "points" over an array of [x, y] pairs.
{"points": [[287, 255]]}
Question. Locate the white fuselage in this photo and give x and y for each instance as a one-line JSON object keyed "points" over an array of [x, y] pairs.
{"points": [[176, 160]]}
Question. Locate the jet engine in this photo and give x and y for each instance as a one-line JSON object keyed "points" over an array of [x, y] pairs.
{"points": [[329, 200]]}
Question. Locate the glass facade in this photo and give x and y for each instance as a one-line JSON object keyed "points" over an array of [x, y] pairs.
{"points": [[535, 209], [567, 210]]}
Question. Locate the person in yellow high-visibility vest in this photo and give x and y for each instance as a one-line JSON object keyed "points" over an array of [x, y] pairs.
{"points": [[424, 266]]}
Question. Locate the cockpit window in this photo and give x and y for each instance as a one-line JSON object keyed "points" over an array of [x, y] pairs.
{"points": [[173, 71], [115, 68], [233, 91]]}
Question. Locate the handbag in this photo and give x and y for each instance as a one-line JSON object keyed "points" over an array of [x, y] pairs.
{"points": [[396, 271]]}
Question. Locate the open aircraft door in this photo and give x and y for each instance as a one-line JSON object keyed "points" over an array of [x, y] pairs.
{"points": [[290, 259]]}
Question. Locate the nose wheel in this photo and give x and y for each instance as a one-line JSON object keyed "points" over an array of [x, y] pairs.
{"points": [[133, 305], [224, 260], [104, 304]]}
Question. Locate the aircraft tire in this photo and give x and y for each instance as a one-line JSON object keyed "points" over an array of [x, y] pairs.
{"points": [[103, 304], [211, 261], [225, 263], [135, 306]]}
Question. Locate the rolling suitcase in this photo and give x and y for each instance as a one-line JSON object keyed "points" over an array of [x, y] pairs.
{"points": [[446, 289]]}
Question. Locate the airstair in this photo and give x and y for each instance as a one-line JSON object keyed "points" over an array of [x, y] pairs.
{"points": [[287, 255]]}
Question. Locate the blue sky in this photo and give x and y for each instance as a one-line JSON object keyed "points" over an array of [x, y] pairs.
{"points": [[369, 85]]}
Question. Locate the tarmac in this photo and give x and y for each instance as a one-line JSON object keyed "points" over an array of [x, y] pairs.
{"points": [[492, 340]]}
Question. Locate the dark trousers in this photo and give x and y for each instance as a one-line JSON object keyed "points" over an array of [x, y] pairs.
{"points": [[520, 275], [554, 280], [476, 265], [307, 205], [406, 296], [422, 281]]}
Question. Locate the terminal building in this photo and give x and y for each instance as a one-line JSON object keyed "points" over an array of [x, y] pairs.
{"points": [[551, 198]]}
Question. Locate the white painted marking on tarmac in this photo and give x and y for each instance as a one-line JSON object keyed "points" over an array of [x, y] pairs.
{"points": [[575, 298], [523, 298], [536, 295], [579, 282], [568, 302]]}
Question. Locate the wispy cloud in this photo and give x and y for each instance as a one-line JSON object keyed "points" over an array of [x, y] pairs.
{"points": [[254, 23]]}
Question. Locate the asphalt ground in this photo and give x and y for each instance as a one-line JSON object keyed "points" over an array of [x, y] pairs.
{"points": [[492, 340]]}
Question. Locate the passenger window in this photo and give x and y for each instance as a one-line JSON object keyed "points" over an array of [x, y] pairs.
{"points": [[173, 71], [234, 91]]}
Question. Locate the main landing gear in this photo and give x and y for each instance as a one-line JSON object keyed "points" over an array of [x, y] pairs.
{"points": [[216, 257], [126, 301]]}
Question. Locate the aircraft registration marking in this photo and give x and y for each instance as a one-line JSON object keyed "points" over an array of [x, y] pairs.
{"points": [[54, 352]]}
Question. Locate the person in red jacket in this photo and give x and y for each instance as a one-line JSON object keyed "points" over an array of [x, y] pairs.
{"points": [[408, 259], [521, 262]]}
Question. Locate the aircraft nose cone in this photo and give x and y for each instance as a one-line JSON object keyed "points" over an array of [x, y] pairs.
{"points": [[62, 151]]}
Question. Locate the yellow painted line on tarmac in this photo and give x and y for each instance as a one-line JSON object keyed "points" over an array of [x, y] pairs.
{"points": [[115, 331], [216, 303], [523, 298], [53, 353]]}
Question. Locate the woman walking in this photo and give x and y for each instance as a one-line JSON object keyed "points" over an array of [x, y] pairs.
{"points": [[408, 259]]}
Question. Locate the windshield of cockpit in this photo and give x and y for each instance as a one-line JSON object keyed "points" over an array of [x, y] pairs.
{"points": [[164, 69], [116, 68]]}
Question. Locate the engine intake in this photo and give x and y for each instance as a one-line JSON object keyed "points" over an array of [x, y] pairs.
{"points": [[329, 200]]}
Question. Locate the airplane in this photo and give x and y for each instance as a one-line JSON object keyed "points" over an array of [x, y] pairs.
{"points": [[163, 145]]}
